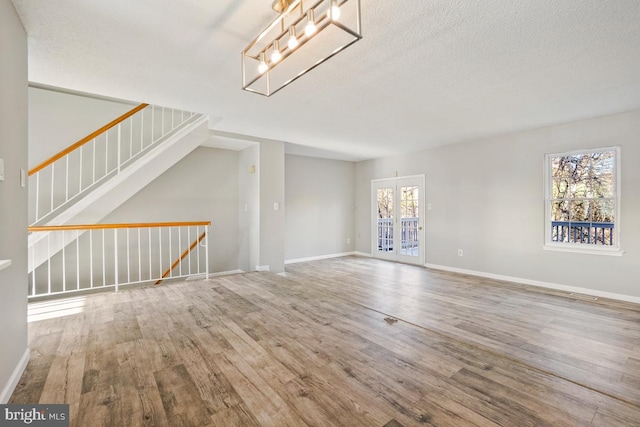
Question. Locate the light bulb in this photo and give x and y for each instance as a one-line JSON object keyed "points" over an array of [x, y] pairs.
{"points": [[293, 40], [262, 67], [276, 56], [334, 13], [310, 29]]}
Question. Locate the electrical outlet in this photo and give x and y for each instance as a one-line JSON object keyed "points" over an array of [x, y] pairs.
{"points": [[348, 241], [428, 206], [460, 252]]}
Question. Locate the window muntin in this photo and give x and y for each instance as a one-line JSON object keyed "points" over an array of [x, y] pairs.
{"points": [[582, 199]]}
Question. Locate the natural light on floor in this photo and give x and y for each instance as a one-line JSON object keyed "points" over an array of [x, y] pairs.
{"points": [[52, 309]]}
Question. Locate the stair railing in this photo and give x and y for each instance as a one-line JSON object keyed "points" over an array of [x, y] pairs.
{"points": [[65, 177], [104, 256]]}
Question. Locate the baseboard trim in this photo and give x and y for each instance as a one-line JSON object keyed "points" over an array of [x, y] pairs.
{"points": [[548, 285], [262, 268], [219, 273], [364, 254], [317, 258], [8, 389], [226, 273]]}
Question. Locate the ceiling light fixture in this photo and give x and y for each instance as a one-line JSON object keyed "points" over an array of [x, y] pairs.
{"points": [[338, 27]]}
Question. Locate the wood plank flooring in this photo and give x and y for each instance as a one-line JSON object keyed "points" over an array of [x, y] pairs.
{"points": [[345, 342]]}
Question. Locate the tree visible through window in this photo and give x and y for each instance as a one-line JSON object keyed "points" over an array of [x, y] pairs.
{"points": [[583, 198]]}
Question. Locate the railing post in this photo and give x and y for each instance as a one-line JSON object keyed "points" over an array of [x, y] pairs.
{"points": [[206, 250], [115, 254], [48, 263]]}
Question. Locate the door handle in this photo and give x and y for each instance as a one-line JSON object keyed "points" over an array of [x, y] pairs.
{"points": [[419, 228]]}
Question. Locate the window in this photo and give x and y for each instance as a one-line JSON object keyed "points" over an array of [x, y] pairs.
{"points": [[582, 201]]}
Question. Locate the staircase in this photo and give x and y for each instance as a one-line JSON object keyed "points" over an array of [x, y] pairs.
{"points": [[85, 182]]}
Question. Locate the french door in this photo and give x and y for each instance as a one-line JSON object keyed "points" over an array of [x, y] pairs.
{"points": [[398, 219]]}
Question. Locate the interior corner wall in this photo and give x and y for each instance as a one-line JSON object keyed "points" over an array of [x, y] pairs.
{"points": [[272, 205], [58, 119], [249, 207], [320, 203], [13, 198], [487, 198], [201, 187]]}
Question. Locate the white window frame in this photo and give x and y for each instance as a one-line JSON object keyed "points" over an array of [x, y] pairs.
{"points": [[616, 249]]}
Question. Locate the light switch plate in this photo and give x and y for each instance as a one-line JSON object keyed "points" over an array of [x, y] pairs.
{"points": [[23, 178], [1, 169]]}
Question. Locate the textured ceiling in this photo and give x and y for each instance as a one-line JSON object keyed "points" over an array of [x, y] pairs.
{"points": [[426, 73]]}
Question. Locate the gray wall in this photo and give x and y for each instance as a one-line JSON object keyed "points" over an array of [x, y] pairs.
{"points": [[272, 191], [320, 201], [249, 207], [487, 198], [201, 187], [13, 198], [58, 119]]}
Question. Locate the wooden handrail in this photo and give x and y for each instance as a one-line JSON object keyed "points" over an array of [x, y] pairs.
{"points": [[87, 138], [183, 256], [116, 226]]}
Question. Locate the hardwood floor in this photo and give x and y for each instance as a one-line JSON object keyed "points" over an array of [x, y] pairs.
{"points": [[349, 341]]}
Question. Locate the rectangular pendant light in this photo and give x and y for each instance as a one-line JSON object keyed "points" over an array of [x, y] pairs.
{"points": [[303, 36]]}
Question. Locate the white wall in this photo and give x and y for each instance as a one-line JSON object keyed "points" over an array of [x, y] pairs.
{"points": [[487, 198], [58, 119], [201, 187], [13, 198], [320, 202]]}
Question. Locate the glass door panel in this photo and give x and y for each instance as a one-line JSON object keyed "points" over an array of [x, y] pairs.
{"points": [[409, 221], [384, 200]]}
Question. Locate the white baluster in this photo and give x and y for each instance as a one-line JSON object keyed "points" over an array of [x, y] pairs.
{"points": [[91, 258], [170, 255], [160, 251], [64, 263], [128, 263], [139, 258], [49, 263], [179, 247], [78, 260], [149, 235], [104, 261], [115, 254]]}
